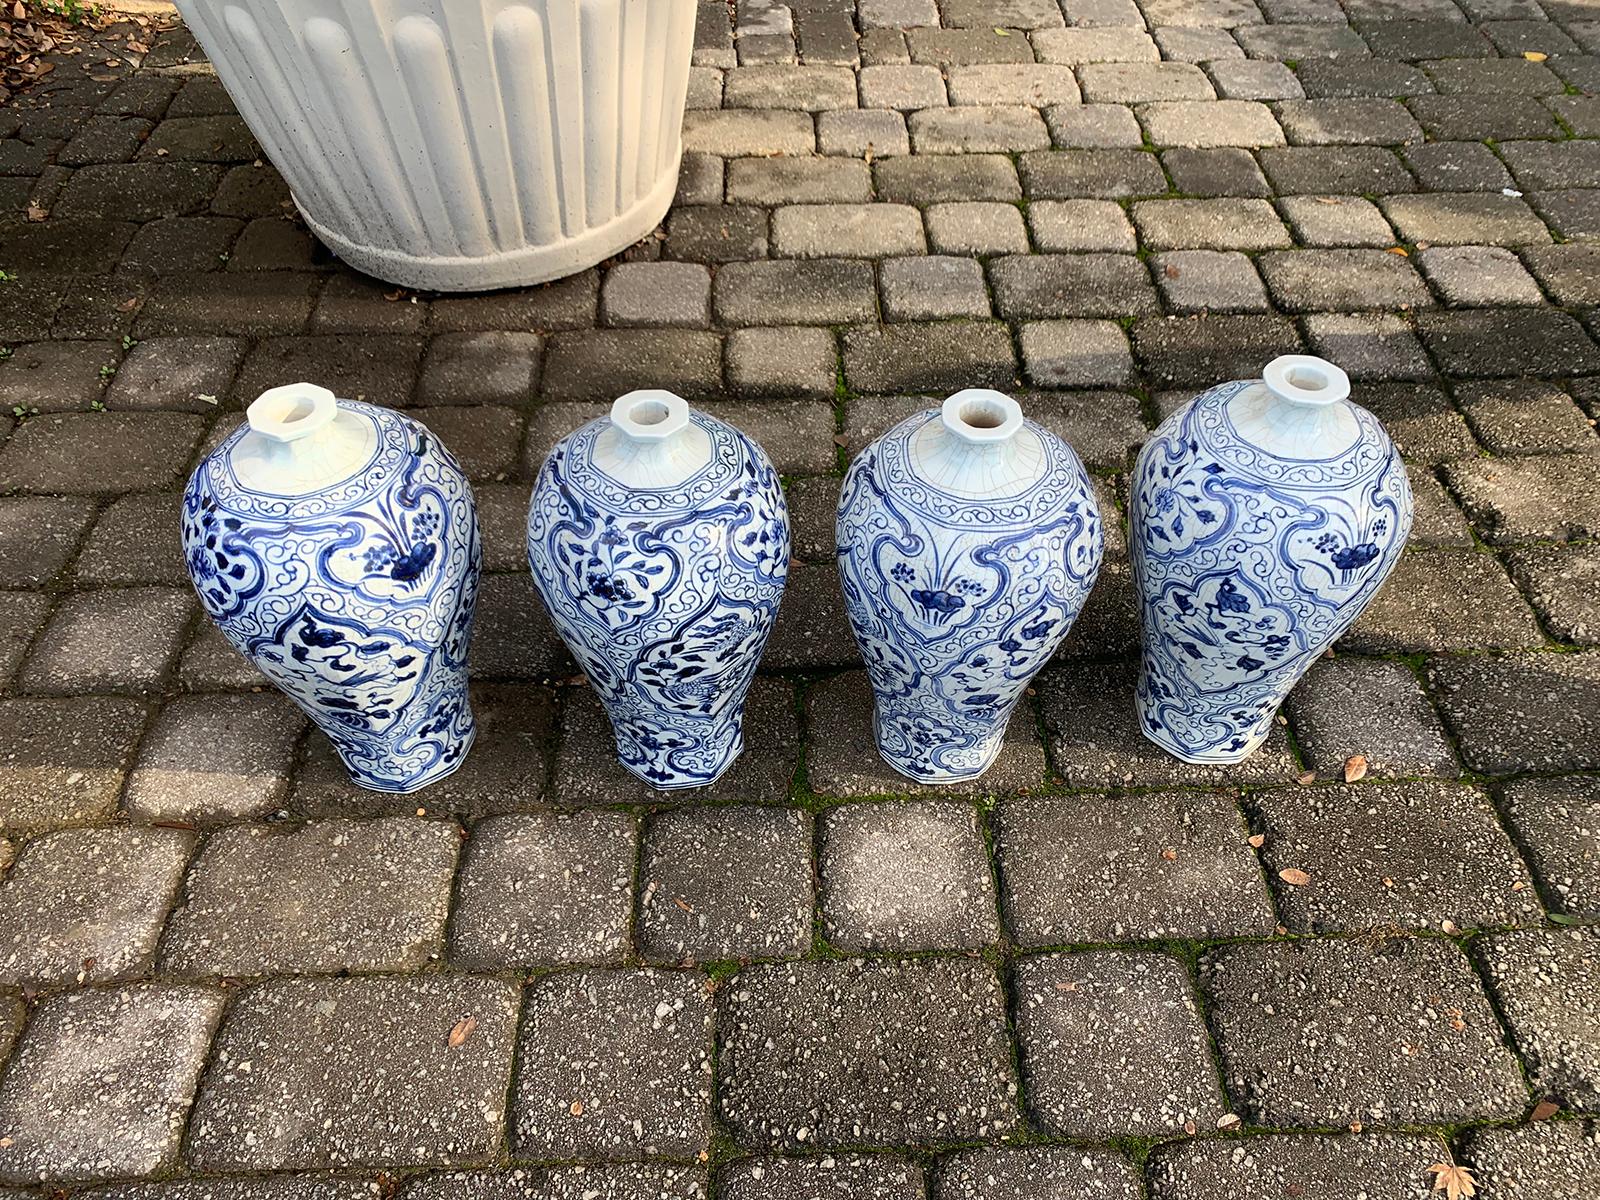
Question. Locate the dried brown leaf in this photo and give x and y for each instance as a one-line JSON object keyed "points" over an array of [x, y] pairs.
{"points": [[1545, 1109], [1258, 840], [1294, 876], [1355, 768], [462, 1030], [1455, 1182], [1306, 777]]}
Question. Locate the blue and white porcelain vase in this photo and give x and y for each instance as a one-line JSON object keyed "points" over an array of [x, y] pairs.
{"points": [[1264, 516], [658, 538], [336, 545], [968, 540]]}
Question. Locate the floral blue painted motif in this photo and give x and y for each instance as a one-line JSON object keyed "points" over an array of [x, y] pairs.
{"points": [[968, 539], [659, 541], [1264, 516], [336, 545]]}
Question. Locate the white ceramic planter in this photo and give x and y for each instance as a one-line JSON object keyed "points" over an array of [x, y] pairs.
{"points": [[463, 145]]}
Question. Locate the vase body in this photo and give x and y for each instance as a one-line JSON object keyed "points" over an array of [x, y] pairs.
{"points": [[968, 540], [1264, 516], [658, 538], [344, 563], [462, 145]]}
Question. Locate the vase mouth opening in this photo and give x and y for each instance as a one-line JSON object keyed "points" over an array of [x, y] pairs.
{"points": [[1306, 380], [981, 415], [291, 412], [650, 415]]}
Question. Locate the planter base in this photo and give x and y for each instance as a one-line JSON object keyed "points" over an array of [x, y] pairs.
{"points": [[508, 268]]}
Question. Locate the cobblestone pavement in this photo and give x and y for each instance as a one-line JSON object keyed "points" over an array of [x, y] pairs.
{"points": [[1103, 974]]}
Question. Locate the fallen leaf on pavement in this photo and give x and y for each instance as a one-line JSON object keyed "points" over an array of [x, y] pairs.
{"points": [[462, 1030], [1294, 876], [1545, 1109], [1455, 1182], [1355, 768]]}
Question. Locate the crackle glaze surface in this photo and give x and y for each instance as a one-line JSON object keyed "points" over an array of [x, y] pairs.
{"points": [[1249, 565], [665, 595], [356, 599], [958, 597]]}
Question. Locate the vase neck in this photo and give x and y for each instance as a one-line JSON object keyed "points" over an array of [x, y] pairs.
{"points": [[651, 441], [300, 440], [1300, 409], [979, 446]]}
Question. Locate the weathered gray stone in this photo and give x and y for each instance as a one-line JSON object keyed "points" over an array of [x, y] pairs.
{"points": [[828, 1177], [1410, 856], [325, 897], [906, 877], [976, 227], [99, 453], [1478, 276], [614, 1065], [726, 882], [934, 357], [1464, 219], [1522, 712], [64, 761], [1203, 123], [824, 1053], [863, 133], [1444, 600], [1550, 1158], [1342, 281], [215, 758], [99, 1085], [784, 361], [1563, 585], [1376, 1166], [1112, 1043], [1511, 500], [1069, 225], [1546, 983], [589, 1181], [497, 367], [1093, 126], [1097, 868], [820, 292], [1209, 281], [1076, 354], [1522, 416], [544, 888], [738, 132], [1209, 225], [1048, 1172], [1071, 285], [88, 904], [932, 287], [846, 231], [1336, 221], [1347, 706], [357, 1072], [38, 537], [1386, 1032], [113, 640]]}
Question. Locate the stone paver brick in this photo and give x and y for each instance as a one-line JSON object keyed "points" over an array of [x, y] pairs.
{"points": [[1025, 85], [1199, 350], [961, 47], [136, 540], [808, 88], [737, 132], [587, 771], [934, 180], [1524, 500], [776, 181], [1457, 167], [1413, 855], [1252, 79], [1371, 346], [1121, 82], [1377, 1166], [1563, 585], [1519, 416], [1572, 213], [1080, 225], [829, 1177], [1209, 281], [1375, 708], [1367, 122], [1082, 44], [657, 294], [1569, 272], [601, 364], [38, 537], [55, 376], [1069, 1173], [977, 130], [905, 877], [783, 361], [22, 616], [325, 897], [1093, 126], [614, 1065], [902, 87], [63, 761], [500, 367], [380, 370], [726, 882], [1522, 712], [1209, 225], [824, 1053], [1551, 1158], [215, 758], [1444, 600], [101, 1082], [258, 303], [1464, 218], [863, 133], [1497, 343], [1478, 275], [931, 357], [976, 227], [541, 888], [99, 453], [1336, 221], [1092, 174], [313, 1073], [1342, 281], [1196, 44], [817, 292], [1203, 123], [1386, 1032], [112, 640], [88, 904], [1547, 985], [716, 233], [932, 287], [1071, 285], [846, 763], [1112, 1043], [1119, 868], [1076, 354]]}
